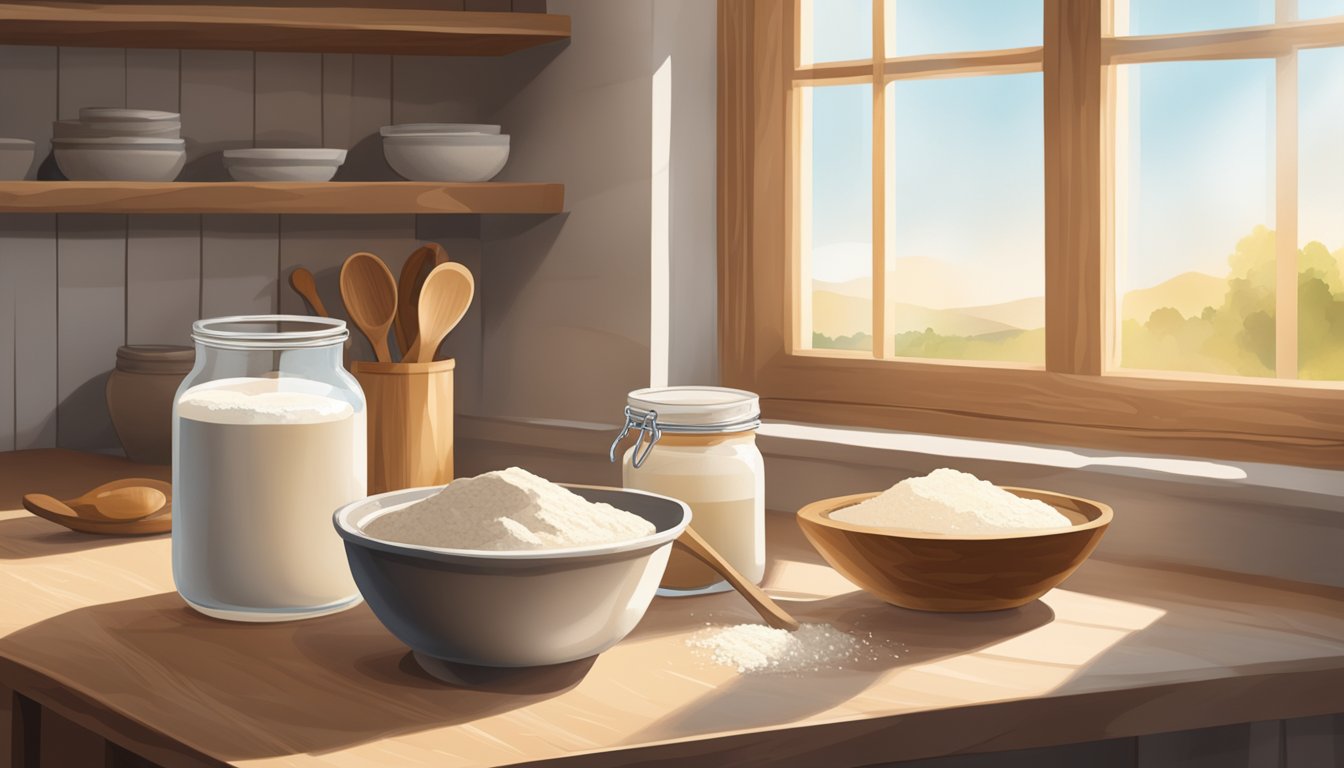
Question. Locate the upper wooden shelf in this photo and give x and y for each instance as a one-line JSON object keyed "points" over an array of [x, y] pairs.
{"points": [[278, 197], [333, 28]]}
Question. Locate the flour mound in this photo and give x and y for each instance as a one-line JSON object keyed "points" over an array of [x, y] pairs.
{"points": [[951, 502], [756, 648], [510, 509]]}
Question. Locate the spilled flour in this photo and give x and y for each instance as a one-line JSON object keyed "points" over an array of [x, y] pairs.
{"points": [[948, 501], [756, 648], [509, 509]]}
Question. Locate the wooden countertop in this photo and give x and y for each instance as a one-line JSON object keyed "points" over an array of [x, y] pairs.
{"points": [[92, 628]]}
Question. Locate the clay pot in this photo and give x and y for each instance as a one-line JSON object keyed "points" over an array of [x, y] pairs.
{"points": [[140, 398]]}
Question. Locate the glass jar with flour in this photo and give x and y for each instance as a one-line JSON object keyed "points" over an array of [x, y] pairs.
{"points": [[268, 441], [698, 444]]}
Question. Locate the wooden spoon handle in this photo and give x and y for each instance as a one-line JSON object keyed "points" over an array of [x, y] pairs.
{"points": [[304, 284], [770, 611]]}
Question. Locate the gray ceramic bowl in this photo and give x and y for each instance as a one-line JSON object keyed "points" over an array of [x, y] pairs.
{"points": [[516, 608]]}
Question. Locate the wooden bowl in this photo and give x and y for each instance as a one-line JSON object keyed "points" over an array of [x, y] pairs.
{"points": [[941, 572]]}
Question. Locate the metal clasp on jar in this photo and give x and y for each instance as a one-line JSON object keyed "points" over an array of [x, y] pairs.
{"points": [[647, 424]]}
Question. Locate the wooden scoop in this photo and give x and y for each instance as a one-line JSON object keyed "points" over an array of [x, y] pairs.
{"points": [[134, 506], [770, 611], [370, 295], [413, 274], [444, 299], [304, 284]]}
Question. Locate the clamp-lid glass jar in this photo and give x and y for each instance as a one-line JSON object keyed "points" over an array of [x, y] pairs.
{"points": [[698, 444], [268, 441]]}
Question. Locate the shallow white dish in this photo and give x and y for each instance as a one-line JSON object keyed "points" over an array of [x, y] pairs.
{"points": [[109, 129], [118, 114], [463, 157], [120, 159], [16, 157], [283, 164], [407, 129], [510, 609]]}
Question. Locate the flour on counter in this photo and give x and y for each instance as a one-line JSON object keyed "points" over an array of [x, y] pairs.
{"points": [[756, 648], [509, 509], [948, 501]]}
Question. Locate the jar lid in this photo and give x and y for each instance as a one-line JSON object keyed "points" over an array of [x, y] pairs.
{"points": [[272, 332], [695, 406], [156, 358]]}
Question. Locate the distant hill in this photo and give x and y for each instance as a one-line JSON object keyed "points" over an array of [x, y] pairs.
{"points": [[1187, 293], [837, 315], [1023, 313]]}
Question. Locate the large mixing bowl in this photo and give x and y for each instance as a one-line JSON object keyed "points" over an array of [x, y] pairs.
{"points": [[519, 608], [947, 572]]}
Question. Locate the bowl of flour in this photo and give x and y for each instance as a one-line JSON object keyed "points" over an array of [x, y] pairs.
{"points": [[508, 569], [951, 542]]}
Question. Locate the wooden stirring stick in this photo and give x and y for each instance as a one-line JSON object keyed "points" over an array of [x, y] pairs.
{"points": [[770, 611]]}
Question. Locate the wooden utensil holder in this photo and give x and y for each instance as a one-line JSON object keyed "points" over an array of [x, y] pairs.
{"points": [[410, 422]]}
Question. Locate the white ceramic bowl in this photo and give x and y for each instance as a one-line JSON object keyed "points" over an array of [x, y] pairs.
{"points": [[110, 129], [510, 609], [408, 129], [447, 157], [283, 164], [118, 114], [16, 157], [120, 159]]}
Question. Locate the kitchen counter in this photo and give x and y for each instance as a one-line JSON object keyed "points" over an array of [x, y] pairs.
{"points": [[92, 631]]}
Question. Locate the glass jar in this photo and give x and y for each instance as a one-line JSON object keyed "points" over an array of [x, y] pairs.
{"points": [[268, 441], [706, 456]]}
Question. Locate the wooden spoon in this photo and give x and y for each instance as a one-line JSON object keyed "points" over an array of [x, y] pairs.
{"points": [[444, 299], [370, 295], [413, 274], [134, 506], [304, 284], [770, 611]]}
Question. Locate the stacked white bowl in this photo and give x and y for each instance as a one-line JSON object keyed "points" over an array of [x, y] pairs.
{"points": [[445, 151], [283, 164], [114, 144]]}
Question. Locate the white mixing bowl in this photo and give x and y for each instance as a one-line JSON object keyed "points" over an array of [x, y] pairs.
{"points": [[283, 164], [447, 156], [16, 157], [120, 159], [512, 608]]}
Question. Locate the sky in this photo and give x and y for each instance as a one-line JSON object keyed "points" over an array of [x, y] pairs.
{"points": [[966, 153]]}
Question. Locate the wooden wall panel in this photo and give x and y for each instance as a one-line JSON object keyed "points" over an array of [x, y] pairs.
{"points": [[163, 278], [356, 102], [91, 77], [152, 79], [91, 285], [29, 253], [216, 109], [240, 264], [288, 100], [1314, 742]]}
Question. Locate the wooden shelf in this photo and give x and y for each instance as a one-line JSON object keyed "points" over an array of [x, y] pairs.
{"points": [[278, 197], [332, 28]]}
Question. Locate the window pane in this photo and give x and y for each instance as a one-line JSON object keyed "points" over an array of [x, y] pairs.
{"points": [[1162, 17], [836, 222], [836, 30], [965, 211], [1320, 221], [1195, 216], [1319, 9], [915, 27]]}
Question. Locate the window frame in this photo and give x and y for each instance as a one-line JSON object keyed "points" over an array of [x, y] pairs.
{"points": [[1075, 400]]}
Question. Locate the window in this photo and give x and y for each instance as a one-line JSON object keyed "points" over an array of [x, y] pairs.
{"points": [[1087, 222]]}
